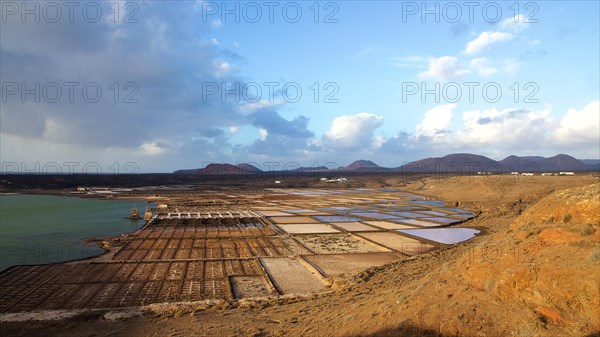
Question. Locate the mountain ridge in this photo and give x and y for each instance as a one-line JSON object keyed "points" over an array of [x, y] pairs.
{"points": [[451, 163]]}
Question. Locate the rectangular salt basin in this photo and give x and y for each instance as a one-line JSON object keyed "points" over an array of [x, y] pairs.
{"points": [[353, 226], [399, 242], [273, 213], [409, 208], [336, 209], [380, 216], [446, 221], [385, 205], [433, 213], [419, 223], [299, 211], [443, 235], [308, 228], [335, 218], [291, 276], [362, 210], [342, 243], [429, 202], [407, 214], [292, 219], [388, 225], [343, 263]]}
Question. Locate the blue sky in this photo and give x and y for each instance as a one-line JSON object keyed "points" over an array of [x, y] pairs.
{"points": [[162, 68]]}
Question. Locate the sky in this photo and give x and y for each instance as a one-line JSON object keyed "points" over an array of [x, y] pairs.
{"points": [[157, 86]]}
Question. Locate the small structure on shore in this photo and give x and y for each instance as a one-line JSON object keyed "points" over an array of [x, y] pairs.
{"points": [[148, 214], [134, 215]]}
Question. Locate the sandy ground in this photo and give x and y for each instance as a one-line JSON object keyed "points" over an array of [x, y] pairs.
{"points": [[534, 272]]}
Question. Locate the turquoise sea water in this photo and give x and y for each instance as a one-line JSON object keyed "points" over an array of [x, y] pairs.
{"points": [[38, 229]]}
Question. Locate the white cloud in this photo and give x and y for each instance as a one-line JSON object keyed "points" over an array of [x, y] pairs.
{"points": [[486, 39], [515, 24], [378, 141], [505, 128], [511, 66], [221, 68], [483, 67], [436, 122], [578, 126], [214, 41], [263, 133], [499, 133], [349, 132], [152, 148], [444, 68], [233, 129]]}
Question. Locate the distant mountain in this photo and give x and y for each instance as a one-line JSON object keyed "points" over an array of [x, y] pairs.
{"points": [[214, 169], [247, 168], [468, 163], [594, 164], [515, 163], [310, 169], [561, 162], [590, 161], [452, 163], [364, 166], [187, 171]]}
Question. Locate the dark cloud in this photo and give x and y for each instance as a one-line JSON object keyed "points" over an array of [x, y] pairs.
{"points": [[284, 137], [277, 125], [151, 74], [484, 120]]}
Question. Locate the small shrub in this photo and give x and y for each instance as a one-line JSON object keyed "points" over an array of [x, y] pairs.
{"points": [[595, 256], [567, 218], [588, 230]]}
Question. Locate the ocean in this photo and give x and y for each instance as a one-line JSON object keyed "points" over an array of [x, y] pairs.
{"points": [[37, 229]]}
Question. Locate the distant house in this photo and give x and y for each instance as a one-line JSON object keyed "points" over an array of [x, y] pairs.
{"points": [[566, 174]]}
